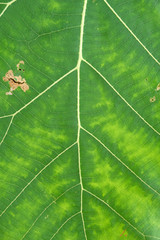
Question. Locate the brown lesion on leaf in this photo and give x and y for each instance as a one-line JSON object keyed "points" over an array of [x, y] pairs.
{"points": [[153, 99], [158, 87], [20, 62], [15, 81]]}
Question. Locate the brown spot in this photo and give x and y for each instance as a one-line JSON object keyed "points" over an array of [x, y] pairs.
{"points": [[24, 87], [153, 99], [123, 233], [20, 62], [15, 81], [158, 87], [8, 75], [13, 85]]}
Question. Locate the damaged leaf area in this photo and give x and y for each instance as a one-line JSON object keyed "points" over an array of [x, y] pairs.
{"points": [[153, 99], [158, 87], [18, 65], [15, 81]]}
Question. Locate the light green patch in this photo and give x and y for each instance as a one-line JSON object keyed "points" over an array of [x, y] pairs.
{"points": [[125, 135], [102, 223], [132, 64], [111, 180], [52, 6], [59, 174], [49, 69], [48, 22], [55, 215]]}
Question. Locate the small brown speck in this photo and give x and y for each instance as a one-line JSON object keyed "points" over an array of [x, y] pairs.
{"points": [[153, 99]]}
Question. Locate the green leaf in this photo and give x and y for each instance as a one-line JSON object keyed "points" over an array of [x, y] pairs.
{"points": [[79, 150]]}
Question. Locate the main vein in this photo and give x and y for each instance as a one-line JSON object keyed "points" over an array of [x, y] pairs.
{"points": [[78, 107]]}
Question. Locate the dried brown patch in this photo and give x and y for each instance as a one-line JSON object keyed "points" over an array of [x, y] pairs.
{"points": [[15, 81], [8, 75], [153, 99], [24, 87]]}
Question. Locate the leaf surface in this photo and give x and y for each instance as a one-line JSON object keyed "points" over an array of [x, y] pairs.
{"points": [[80, 149]]}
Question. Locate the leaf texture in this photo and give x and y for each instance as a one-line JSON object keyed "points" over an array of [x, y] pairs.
{"points": [[79, 150]]}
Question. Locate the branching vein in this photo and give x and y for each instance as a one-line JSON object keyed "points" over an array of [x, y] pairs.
{"points": [[65, 75], [53, 202], [74, 215], [40, 94], [121, 97], [10, 115], [36, 177], [7, 5], [55, 31], [7, 131], [120, 161], [152, 237], [125, 25], [114, 211]]}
